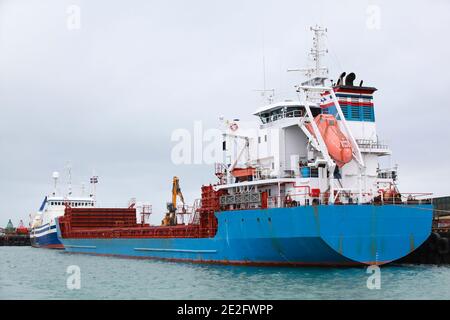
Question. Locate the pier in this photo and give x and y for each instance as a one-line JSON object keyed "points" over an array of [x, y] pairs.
{"points": [[15, 240], [11, 236], [436, 250]]}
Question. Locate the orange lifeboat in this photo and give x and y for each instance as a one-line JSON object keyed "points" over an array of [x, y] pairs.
{"points": [[337, 143]]}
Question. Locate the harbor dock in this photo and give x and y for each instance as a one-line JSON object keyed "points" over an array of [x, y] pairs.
{"points": [[436, 250], [15, 240], [11, 236]]}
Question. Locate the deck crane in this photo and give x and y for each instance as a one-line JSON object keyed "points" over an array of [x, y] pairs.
{"points": [[171, 216]]}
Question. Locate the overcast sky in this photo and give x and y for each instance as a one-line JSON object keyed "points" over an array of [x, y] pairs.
{"points": [[107, 96]]}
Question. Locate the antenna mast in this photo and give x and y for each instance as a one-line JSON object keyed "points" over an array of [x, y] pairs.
{"points": [[317, 74], [270, 97], [318, 51], [69, 173], [94, 181], [55, 179], [264, 90]]}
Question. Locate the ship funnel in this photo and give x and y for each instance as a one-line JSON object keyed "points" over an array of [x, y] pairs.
{"points": [[341, 78], [349, 79]]}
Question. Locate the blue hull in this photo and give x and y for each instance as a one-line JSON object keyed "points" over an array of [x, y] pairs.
{"points": [[46, 238], [308, 235]]}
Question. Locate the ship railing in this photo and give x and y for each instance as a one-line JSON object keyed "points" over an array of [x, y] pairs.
{"points": [[262, 173], [185, 213], [372, 144], [111, 205], [343, 198], [221, 172], [387, 173], [408, 198], [194, 218]]}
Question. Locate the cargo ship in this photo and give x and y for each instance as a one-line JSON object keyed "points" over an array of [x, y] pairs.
{"points": [[301, 187], [43, 223]]}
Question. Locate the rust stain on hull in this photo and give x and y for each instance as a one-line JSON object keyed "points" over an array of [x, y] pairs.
{"points": [[316, 218], [341, 245]]}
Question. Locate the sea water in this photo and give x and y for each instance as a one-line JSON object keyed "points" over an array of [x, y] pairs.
{"points": [[30, 273]]}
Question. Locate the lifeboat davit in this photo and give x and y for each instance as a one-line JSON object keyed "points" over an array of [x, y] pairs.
{"points": [[339, 148]]}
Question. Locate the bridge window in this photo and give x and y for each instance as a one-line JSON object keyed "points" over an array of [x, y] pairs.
{"points": [[265, 117]]}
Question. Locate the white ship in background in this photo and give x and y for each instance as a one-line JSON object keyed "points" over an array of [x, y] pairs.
{"points": [[43, 227], [324, 147]]}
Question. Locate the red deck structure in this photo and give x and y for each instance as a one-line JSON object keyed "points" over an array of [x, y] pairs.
{"points": [[121, 222]]}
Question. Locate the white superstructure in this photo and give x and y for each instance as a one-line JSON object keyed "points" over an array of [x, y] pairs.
{"points": [[295, 154], [43, 223]]}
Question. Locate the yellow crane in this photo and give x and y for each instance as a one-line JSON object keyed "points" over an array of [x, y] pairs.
{"points": [[171, 216]]}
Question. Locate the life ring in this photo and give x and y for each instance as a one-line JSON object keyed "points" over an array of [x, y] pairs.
{"points": [[234, 126]]}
